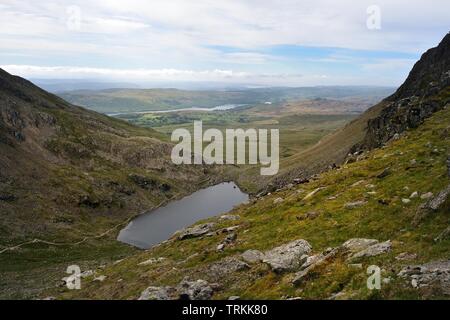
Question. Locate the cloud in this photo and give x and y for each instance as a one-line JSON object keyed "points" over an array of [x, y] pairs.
{"points": [[64, 72], [191, 35]]}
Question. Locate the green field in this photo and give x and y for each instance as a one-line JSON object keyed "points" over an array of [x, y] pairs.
{"points": [[298, 128]]}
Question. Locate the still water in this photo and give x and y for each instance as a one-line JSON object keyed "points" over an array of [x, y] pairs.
{"points": [[158, 225]]}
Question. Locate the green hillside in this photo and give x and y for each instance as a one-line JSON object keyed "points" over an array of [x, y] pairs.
{"points": [[373, 197]]}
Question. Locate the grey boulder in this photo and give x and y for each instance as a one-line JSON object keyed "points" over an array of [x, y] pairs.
{"points": [[288, 257]]}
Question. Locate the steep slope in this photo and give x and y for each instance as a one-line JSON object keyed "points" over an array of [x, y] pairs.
{"points": [[70, 178], [425, 91], [67, 168]]}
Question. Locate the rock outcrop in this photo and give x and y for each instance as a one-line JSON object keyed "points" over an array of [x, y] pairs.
{"points": [[417, 99], [252, 256], [358, 244], [373, 250], [195, 231], [195, 290], [434, 204], [288, 257], [433, 274], [157, 293]]}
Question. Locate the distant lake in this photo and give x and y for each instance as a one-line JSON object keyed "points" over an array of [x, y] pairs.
{"points": [[160, 224], [217, 108]]}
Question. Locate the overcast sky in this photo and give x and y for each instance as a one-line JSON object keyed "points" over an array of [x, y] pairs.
{"points": [[257, 42]]}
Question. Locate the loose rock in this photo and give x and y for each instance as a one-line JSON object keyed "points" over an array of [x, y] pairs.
{"points": [[373, 250], [436, 274], [320, 259], [426, 196], [288, 257], [157, 293], [252, 256], [227, 266], [278, 200], [384, 173], [195, 231], [195, 290], [443, 235], [229, 217], [151, 261], [100, 278], [406, 256], [356, 204], [358, 244], [312, 193]]}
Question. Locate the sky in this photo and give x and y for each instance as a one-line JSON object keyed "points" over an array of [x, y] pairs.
{"points": [[250, 42]]}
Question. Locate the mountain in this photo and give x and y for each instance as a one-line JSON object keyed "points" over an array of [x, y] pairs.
{"points": [[375, 227], [67, 168], [70, 177], [425, 91]]}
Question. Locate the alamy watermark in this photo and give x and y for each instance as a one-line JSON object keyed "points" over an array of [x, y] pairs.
{"points": [[73, 281], [374, 279], [236, 151], [73, 21], [373, 21]]}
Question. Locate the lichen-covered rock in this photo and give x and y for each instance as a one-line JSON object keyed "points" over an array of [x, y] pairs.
{"points": [[278, 201], [443, 235], [151, 261], [226, 266], [406, 256], [426, 196], [229, 217], [195, 231], [288, 257], [312, 260], [439, 200], [358, 244], [252, 256], [435, 274], [195, 290], [100, 278], [373, 250], [157, 293], [431, 205], [313, 263], [356, 204]]}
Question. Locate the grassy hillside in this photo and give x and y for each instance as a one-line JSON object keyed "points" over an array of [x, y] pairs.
{"points": [[363, 199], [68, 174]]}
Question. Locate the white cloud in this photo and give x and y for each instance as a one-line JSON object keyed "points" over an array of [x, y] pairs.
{"points": [[189, 35], [242, 23], [148, 75]]}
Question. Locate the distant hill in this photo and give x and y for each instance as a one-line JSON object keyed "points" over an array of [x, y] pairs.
{"points": [[135, 100], [62, 85]]}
